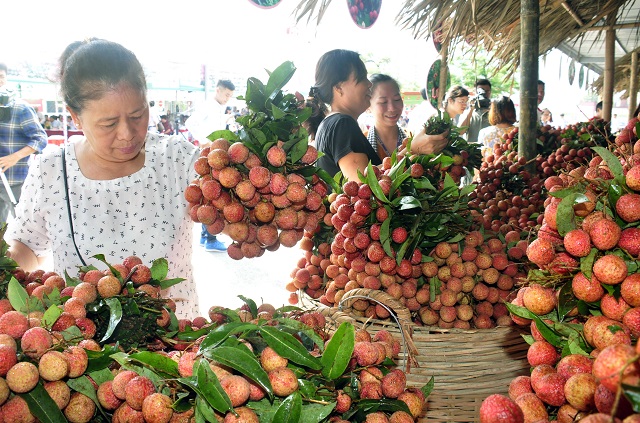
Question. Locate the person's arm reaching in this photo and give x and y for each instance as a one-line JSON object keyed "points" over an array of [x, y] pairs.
{"points": [[24, 256], [351, 163]]}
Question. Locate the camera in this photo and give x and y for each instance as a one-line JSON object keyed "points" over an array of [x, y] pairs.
{"points": [[5, 109], [481, 101]]}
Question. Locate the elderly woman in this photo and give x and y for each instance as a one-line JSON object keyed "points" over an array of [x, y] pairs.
{"points": [[118, 190]]}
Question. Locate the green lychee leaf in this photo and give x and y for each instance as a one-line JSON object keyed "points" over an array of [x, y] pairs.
{"points": [[373, 183], [565, 216], [101, 376], [547, 332], [42, 406], [290, 409], [191, 335], [51, 315], [203, 411], [166, 283], [632, 392], [208, 387], [289, 347], [338, 352], [72, 334], [223, 133], [159, 269], [240, 359], [216, 337], [298, 150], [17, 295], [115, 316], [385, 236], [566, 301], [428, 387], [586, 263], [83, 385], [613, 163], [159, 362], [300, 328], [101, 258], [253, 307], [278, 78]]}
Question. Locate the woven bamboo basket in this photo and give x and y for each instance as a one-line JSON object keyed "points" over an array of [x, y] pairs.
{"points": [[467, 365]]}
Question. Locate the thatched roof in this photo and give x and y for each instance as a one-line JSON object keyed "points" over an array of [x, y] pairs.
{"points": [[495, 25], [622, 77]]}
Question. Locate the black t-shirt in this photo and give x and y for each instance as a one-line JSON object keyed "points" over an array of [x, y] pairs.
{"points": [[339, 135]]}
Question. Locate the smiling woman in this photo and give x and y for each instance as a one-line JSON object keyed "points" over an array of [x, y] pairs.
{"points": [[122, 189]]}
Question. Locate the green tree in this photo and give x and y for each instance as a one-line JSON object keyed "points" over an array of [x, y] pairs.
{"points": [[469, 64]]}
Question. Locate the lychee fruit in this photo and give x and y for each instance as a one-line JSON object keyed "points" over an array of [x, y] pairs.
{"points": [[577, 243], [497, 408], [628, 207], [35, 342], [59, 392], [80, 408], [610, 269], [541, 252], [605, 234], [53, 366], [237, 388], [276, 156], [283, 381], [22, 377], [14, 324], [156, 407]]}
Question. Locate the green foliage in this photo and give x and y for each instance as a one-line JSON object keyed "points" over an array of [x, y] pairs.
{"points": [[467, 66]]}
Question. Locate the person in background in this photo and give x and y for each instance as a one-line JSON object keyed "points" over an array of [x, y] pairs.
{"points": [[117, 190], [502, 116], [455, 104], [540, 98], [3, 74], [47, 122], [598, 110], [482, 104], [419, 115], [21, 135], [166, 124], [55, 122], [545, 117], [385, 135], [205, 120], [341, 82], [154, 118]]}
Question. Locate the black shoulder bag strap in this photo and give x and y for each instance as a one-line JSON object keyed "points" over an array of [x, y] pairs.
{"points": [[67, 195]]}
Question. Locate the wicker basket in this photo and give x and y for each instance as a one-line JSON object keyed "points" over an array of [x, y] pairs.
{"points": [[467, 365]]}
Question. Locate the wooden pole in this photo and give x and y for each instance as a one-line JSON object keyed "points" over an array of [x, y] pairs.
{"points": [[633, 84], [444, 71], [530, 24], [609, 67]]}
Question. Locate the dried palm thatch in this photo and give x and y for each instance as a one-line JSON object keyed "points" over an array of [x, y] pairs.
{"points": [[622, 76], [493, 24]]}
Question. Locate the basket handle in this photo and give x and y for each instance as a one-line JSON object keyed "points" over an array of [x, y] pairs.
{"points": [[399, 313]]}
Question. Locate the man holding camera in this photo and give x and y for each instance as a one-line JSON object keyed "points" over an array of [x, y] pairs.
{"points": [[20, 136], [481, 104]]}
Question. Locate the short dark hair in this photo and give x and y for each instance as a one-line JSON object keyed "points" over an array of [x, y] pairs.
{"points": [[483, 81], [599, 106], [333, 67], [163, 117], [89, 69], [423, 93], [540, 82], [225, 83], [4, 67]]}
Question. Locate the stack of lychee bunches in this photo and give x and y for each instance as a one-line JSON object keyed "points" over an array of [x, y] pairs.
{"points": [[461, 283], [253, 201], [583, 301], [510, 194], [237, 366]]}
